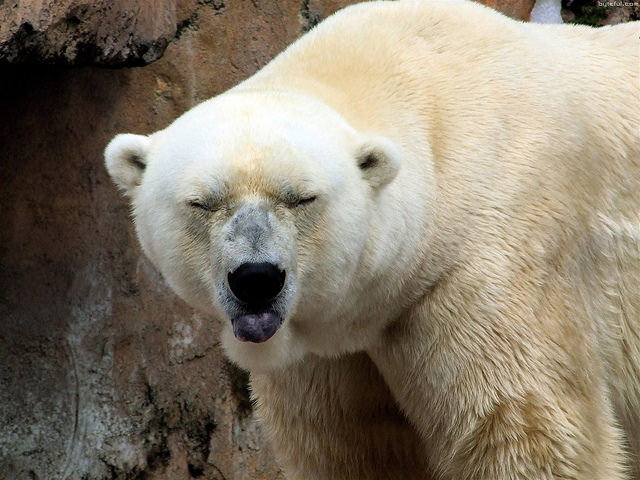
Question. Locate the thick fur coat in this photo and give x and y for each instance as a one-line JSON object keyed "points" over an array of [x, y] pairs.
{"points": [[449, 202]]}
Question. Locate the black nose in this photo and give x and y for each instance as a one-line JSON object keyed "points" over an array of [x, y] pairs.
{"points": [[256, 283]]}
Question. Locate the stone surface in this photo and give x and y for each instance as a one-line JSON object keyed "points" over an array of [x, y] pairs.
{"points": [[84, 32], [126, 32], [104, 373], [518, 9], [600, 13]]}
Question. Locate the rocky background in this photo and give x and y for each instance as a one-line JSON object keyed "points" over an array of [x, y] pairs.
{"points": [[104, 373]]}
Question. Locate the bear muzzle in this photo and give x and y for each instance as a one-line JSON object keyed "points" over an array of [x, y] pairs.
{"points": [[256, 285]]}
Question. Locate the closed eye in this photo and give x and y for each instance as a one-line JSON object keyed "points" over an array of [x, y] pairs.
{"points": [[200, 205], [305, 201]]}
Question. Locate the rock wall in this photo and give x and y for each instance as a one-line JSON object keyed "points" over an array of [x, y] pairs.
{"points": [[104, 373]]}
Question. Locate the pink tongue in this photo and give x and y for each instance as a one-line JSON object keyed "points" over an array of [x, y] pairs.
{"points": [[256, 327]]}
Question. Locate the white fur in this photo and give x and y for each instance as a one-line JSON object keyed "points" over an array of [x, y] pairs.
{"points": [[124, 157], [467, 307]]}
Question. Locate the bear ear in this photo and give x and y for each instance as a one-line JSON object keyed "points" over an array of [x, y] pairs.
{"points": [[379, 160], [126, 158]]}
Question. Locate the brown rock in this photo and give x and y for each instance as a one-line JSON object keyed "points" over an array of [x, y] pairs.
{"points": [[517, 9], [620, 12], [81, 32], [127, 32]]}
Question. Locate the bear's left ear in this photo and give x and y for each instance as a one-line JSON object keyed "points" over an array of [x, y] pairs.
{"points": [[126, 159], [379, 160]]}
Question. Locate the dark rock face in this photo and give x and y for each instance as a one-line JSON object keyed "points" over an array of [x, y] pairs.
{"points": [[82, 32], [518, 9], [598, 14]]}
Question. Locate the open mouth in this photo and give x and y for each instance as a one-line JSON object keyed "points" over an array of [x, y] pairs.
{"points": [[256, 327]]}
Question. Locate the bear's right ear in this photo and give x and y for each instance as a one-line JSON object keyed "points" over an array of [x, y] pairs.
{"points": [[126, 158]]}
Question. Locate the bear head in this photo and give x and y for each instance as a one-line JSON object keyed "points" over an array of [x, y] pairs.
{"points": [[257, 209]]}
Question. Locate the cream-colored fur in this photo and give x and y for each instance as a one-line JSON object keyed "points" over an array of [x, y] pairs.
{"points": [[463, 277]]}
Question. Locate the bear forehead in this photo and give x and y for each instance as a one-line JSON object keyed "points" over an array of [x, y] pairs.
{"points": [[247, 135], [250, 173], [260, 121], [256, 149], [230, 170]]}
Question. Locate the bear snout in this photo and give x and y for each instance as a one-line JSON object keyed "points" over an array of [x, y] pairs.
{"points": [[256, 283]]}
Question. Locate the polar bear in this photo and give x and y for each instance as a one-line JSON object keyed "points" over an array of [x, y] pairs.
{"points": [[420, 228]]}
